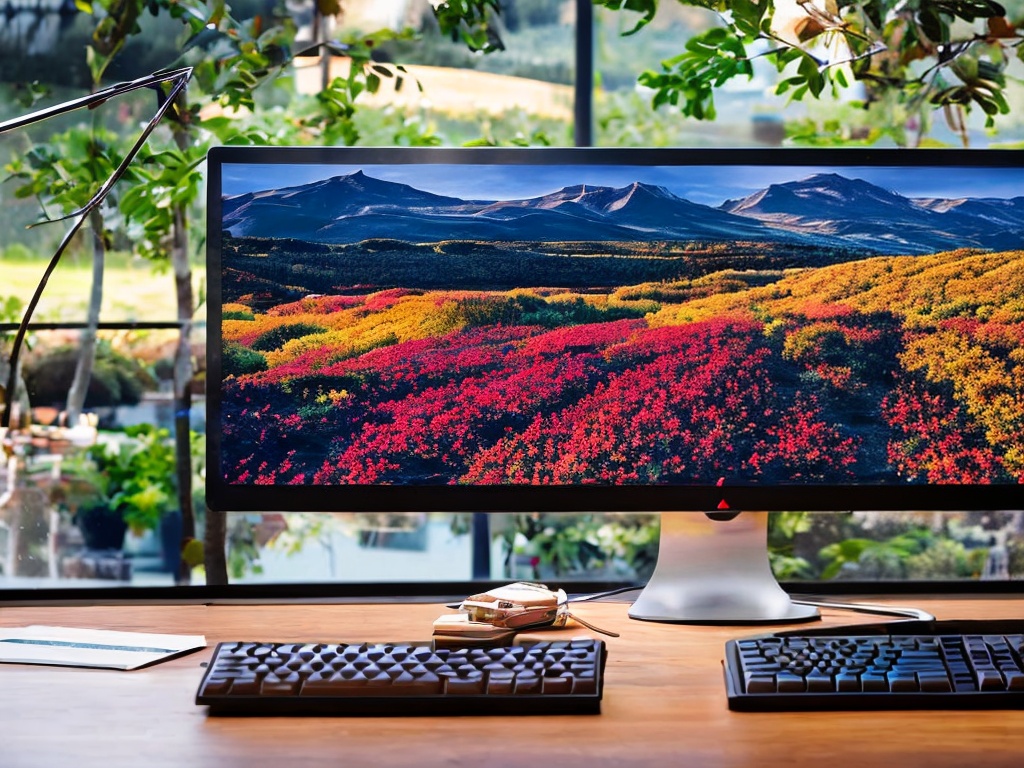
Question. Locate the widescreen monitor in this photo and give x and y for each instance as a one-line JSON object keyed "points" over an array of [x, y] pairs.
{"points": [[538, 329]]}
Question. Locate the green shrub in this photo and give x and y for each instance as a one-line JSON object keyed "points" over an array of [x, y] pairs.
{"points": [[116, 378], [239, 360], [19, 252], [277, 337]]}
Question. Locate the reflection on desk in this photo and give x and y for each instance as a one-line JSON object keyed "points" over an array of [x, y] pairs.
{"points": [[664, 703]]}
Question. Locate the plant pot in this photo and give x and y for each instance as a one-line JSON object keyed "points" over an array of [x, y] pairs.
{"points": [[101, 527]]}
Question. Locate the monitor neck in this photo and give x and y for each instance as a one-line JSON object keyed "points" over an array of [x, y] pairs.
{"points": [[716, 571]]}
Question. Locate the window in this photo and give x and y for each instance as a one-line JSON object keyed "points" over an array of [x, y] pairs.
{"points": [[568, 75]]}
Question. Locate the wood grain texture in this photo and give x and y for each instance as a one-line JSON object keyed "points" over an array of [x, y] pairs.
{"points": [[664, 704]]}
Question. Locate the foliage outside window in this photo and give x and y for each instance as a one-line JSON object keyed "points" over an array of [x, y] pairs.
{"points": [[871, 72]]}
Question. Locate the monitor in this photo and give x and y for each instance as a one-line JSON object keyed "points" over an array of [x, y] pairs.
{"points": [[599, 329]]}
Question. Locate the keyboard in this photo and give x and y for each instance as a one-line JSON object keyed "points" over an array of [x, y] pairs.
{"points": [[417, 678], [898, 669]]}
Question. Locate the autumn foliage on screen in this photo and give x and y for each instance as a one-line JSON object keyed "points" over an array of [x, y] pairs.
{"points": [[887, 369]]}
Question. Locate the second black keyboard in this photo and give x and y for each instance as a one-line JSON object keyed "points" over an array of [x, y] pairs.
{"points": [[892, 671]]}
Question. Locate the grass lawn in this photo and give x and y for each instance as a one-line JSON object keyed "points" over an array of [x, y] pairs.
{"points": [[133, 289]]}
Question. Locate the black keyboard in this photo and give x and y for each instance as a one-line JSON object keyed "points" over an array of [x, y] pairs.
{"points": [[933, 670], [418, 678]]}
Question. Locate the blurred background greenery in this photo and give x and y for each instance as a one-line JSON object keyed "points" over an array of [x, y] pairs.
{"points": [[475, 72]]}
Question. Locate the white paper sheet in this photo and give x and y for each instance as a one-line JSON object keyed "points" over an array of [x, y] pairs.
{"points": [[109, 649]]}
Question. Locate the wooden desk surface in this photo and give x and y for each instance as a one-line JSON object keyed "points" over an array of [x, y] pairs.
{"points": [[664, 704]]}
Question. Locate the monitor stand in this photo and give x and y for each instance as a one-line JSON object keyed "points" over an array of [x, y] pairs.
{"points": [[713, 569]]}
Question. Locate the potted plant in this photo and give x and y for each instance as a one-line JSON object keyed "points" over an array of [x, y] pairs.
{"points": [[122, 485]]}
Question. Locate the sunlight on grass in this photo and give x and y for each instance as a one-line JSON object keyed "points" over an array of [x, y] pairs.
{"points": [[134, 290]]}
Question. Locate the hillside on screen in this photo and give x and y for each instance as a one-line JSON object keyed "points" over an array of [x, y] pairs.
{"points": [[823, 329]]}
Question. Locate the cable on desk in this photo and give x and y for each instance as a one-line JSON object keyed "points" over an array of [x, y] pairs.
{"points": [[873, 608]]}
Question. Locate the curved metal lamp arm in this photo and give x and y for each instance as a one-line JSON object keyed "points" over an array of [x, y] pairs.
{"points": [[178, 79]]}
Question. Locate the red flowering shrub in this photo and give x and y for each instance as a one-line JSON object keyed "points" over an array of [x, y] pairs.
{"points": [[807, 392], [934, 440]]}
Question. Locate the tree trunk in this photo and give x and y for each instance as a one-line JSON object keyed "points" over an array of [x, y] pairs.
{"points": [[215, 553], [15, 406], [183, 386], [87, 341]]}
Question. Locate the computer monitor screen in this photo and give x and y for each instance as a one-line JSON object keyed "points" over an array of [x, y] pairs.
{"points": [[619, 330], [606, 330]]}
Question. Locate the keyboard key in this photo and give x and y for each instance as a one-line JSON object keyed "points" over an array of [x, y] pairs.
{"points": [[934, 681]]}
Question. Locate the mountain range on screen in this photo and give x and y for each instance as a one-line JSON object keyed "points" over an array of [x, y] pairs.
{"points": [[822, 209]]}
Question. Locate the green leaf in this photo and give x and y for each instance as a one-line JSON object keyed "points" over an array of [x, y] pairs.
{"points": [[472, 22], [748, 16], [646, 8], [709, 61]]}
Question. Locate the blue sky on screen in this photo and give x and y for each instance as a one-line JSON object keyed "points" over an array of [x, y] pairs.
{"points": [[708, 185]]}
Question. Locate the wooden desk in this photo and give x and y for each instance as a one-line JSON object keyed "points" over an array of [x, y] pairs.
{"points": [[664, 704]]}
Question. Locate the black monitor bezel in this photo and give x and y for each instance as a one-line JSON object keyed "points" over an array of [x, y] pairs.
{"points": [[507, 498]]}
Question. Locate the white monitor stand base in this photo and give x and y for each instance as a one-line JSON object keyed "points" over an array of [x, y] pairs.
{"points": [[716, 572]]}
